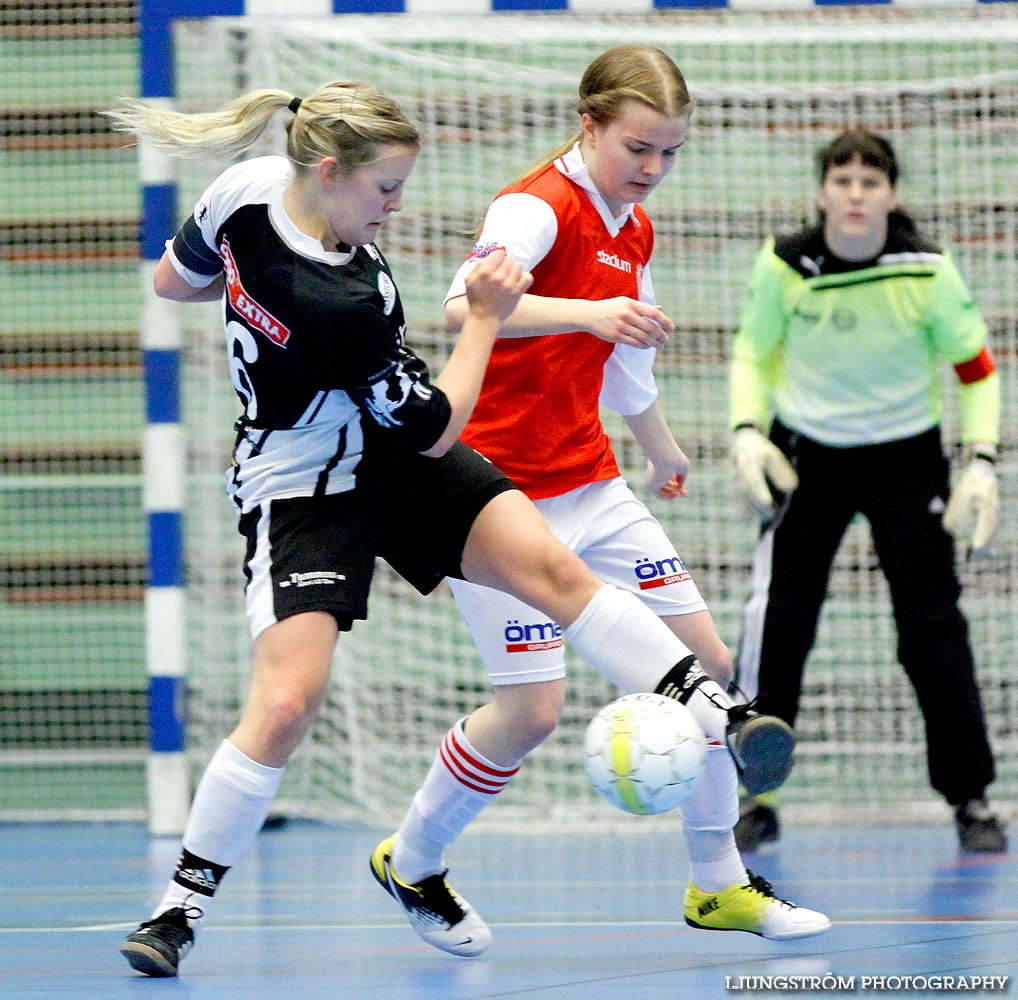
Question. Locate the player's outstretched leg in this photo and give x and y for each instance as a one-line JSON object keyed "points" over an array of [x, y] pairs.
{"points": [[752, 907], [159, 944], [440, 916], [761, 745]]}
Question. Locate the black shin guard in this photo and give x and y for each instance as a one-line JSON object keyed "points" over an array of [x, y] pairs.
{"points": [[197, 874], [682, 680]]}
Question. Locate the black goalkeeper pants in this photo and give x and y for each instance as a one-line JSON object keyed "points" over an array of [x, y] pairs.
{"points": [[901, 489]]}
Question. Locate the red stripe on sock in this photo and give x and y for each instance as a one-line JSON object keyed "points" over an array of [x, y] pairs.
{"points": [[462, 765], [464, 777], [478, 765]]}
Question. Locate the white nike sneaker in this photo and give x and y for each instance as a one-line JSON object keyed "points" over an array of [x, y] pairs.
{"points": [[752, 907], [440, 916]]}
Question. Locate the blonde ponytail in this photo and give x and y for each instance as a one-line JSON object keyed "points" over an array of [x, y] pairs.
{"points": [[227, 132], [344, 119]]}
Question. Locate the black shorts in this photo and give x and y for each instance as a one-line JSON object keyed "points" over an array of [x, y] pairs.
{"points": [[318, 553]]}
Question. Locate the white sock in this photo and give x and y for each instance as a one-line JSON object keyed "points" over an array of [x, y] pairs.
{"points": [[459, 784], [621, 638], [708, 817], [714, 860], [229, 808]]}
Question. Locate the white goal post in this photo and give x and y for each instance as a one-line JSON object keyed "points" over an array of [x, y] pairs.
{"points": [[494, 93]]}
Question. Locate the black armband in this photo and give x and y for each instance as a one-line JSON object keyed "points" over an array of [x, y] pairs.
{"points": [[190, 248]]}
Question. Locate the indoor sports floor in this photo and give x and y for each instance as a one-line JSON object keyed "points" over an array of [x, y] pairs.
{"points": [[583, 917]]}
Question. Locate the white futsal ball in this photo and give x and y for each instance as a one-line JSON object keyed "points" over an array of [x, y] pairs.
{"points": [[644, 753]]}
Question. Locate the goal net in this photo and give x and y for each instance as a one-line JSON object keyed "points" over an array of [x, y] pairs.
{"points": [[495, 93]]}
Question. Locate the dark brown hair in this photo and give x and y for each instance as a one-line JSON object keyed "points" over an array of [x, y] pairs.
{"points": [[872, 149]]}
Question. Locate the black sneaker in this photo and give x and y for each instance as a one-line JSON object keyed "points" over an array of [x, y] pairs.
{"points": [[979, 830], [158, 945], [758, 824], [762, 747]]}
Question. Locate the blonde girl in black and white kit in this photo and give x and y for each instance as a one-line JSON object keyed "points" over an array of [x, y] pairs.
{"points": [[347, 450]]}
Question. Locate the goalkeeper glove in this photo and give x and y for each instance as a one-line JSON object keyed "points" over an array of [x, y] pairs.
{"points": [[758, 463], [976, 495]]}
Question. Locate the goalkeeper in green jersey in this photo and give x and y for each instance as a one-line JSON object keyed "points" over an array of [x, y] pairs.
{"points": [[835, 406]]}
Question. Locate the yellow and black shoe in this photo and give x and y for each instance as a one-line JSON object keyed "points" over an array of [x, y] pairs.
{"points": [[440, 916], [754, 908]]}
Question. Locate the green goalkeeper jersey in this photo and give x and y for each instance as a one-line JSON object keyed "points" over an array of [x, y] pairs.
{"points": [[851, 353]]}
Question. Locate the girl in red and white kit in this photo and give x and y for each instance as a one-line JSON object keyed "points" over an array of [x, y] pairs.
{"points": [[584, 335]]}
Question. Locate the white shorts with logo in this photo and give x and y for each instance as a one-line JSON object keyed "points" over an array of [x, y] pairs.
{"points": [[621, 541]]}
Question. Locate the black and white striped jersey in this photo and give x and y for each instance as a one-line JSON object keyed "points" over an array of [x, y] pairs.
{"points": [[315, 340]]}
